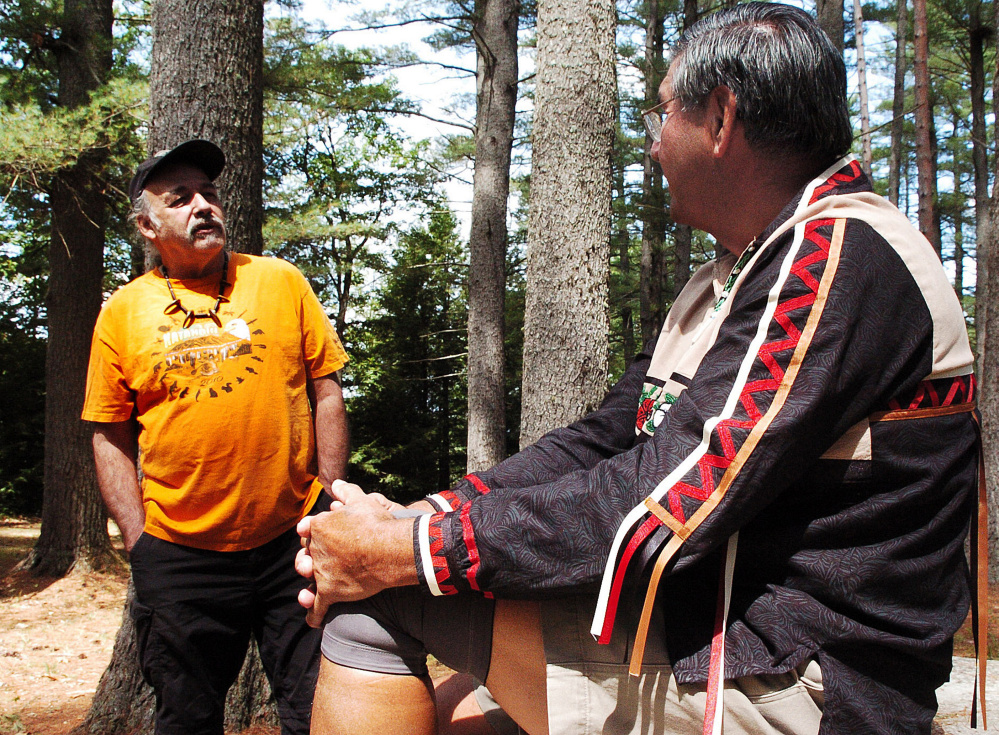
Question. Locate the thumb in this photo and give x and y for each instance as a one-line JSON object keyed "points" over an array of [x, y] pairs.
{"points": [[345, 492]]}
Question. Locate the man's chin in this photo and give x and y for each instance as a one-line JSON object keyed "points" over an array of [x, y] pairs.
{"points": [[207, 239]]}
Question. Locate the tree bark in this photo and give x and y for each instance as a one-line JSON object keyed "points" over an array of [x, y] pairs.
{"points": [[683, 235], [566, 325], [925, 160], [986, 288], [898, 103], [74, 521], [977, 34], [495, 35], [206, 81], [867, 156], [829, 14], [653, 275]]}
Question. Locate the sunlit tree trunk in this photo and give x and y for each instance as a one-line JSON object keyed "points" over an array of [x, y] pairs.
{"points": [[925, 159], [206, 81], [867, 156], [622, 242], [829, 14], [495, 35], [565, 321], [977, 34], [898, 103], [653, 277], [986, 289]]}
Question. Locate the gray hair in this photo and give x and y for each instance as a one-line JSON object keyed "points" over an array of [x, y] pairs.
{"points": [[140, 208], [788, 79]]}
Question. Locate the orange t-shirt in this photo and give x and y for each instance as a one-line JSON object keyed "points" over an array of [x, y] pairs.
{"points": [[226, 439]]}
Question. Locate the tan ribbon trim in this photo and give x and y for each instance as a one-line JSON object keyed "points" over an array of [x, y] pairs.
{"points": [[835, 247]]}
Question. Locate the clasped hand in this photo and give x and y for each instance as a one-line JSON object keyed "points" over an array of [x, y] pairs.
{"points": [[353, 551]]}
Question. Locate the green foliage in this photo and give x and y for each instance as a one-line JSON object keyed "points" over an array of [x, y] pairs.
{"points": [[22, 385], [406, 383]]}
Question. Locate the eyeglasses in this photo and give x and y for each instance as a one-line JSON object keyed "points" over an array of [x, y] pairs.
{"points": [[654, 119]]}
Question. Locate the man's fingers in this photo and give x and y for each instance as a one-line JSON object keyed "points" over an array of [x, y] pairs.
{"points": [[307, 597], [303, 564], [304, 528], [316, 612]]}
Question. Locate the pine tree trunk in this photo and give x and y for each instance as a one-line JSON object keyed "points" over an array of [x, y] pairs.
{"points": [[74, 521], [829, 14], [622, 241], [986, 308], [565, 321], [495, 35], [683, 235], [898, 103], [925, 160], [653, 275], [867, 156], [988, 374], [977, 34], [206, 81]]}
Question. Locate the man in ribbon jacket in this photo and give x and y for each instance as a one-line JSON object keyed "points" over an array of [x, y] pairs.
{"points": [[764, 520]]}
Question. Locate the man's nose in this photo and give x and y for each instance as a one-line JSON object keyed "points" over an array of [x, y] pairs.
{"points": [[201, 205], [655, 150]]}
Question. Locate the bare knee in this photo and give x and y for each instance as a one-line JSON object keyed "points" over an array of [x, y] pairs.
{"points": [[355, 702]]}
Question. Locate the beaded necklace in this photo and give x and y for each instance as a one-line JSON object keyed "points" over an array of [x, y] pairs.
{"points": [[190, 315]]}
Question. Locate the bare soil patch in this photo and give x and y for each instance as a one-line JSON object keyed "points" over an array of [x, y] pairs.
{"points": [[56, 637]]}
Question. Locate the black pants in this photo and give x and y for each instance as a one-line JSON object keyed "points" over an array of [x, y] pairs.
{"points": [[194, 612]]}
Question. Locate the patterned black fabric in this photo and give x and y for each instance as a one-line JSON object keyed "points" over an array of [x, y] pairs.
{"points": [[858, 562]]}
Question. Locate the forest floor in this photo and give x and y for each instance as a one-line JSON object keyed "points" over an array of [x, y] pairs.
{"points": [[56, 638]]}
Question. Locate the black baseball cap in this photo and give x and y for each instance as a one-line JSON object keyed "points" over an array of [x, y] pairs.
{"points": [[201, 154]]}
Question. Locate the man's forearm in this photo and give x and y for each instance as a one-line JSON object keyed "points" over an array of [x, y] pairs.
{"points": [[332, 433], [114, 455]]}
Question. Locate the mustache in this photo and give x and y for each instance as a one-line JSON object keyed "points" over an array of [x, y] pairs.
{"points": [[206, 224]]}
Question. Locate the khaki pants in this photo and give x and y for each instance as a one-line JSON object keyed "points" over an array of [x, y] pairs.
{"points": [[591, 693]]}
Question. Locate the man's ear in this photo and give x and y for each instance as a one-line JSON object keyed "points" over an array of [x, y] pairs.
{"points": [[145, 227], [722, 118]]}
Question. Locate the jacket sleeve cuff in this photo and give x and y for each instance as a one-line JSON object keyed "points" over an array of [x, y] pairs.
{"points": [[469, 487], [431, 565]]}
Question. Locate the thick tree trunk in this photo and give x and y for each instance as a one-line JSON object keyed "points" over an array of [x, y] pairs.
{"points": [[495, 35], [988, 373], [925, 160], [977, 35], [898, 103], [867, 156], [653, 275], [565, 329], [206, 81], [959, 204], [986, 308], [829, 14], [683, 235], [74, 521]]}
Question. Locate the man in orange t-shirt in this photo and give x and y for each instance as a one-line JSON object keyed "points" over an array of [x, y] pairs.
{"points": [[219, 371]]}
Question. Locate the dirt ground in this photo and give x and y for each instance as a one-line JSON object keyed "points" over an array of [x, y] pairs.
{"points": [[56, 638]]}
